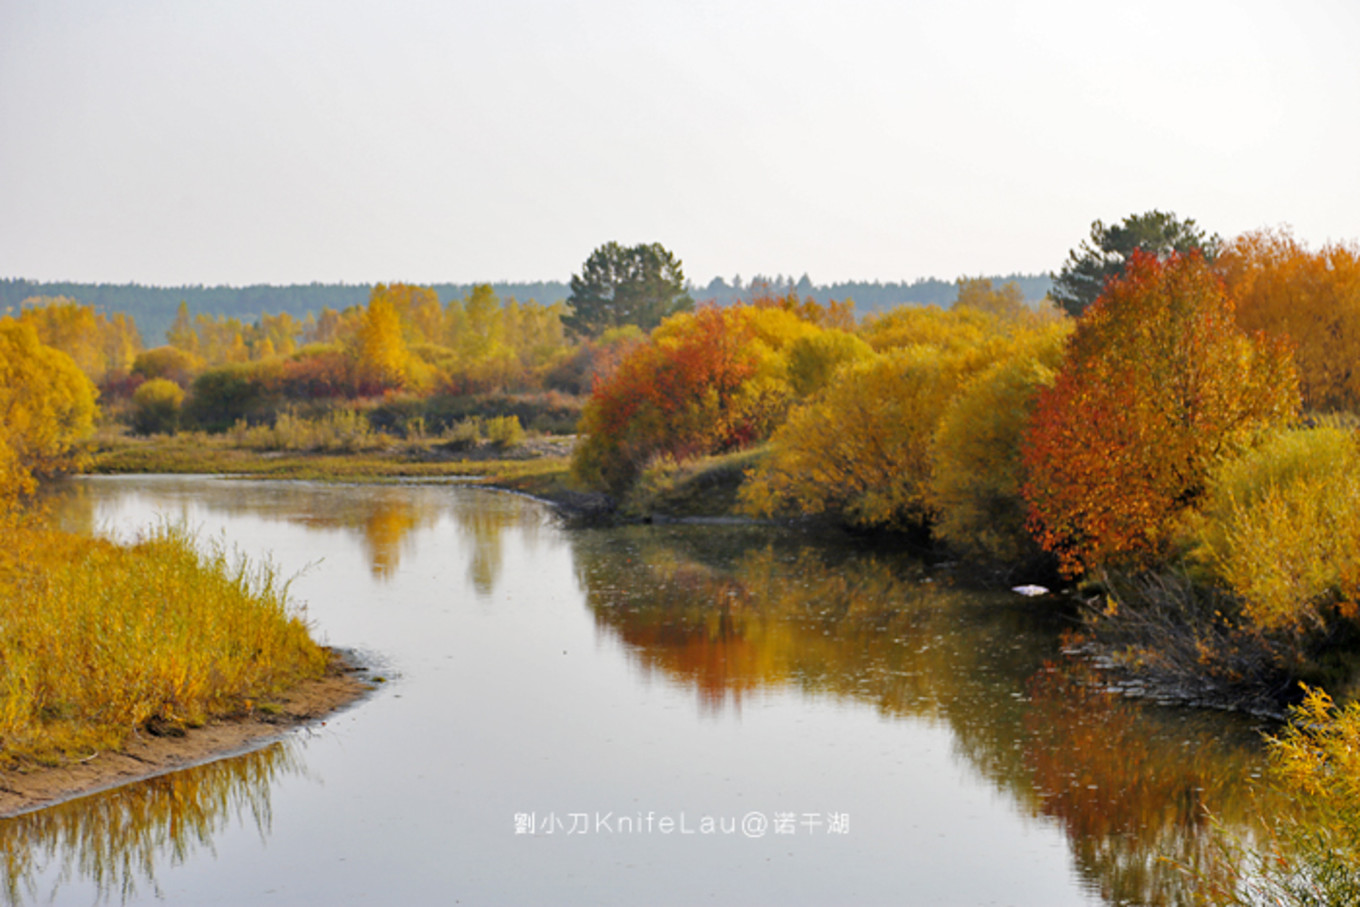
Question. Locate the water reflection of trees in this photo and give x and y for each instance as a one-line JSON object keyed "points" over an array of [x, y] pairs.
{"points": [[118, 840], [1130, 785], [385, 519], [483, 516]]}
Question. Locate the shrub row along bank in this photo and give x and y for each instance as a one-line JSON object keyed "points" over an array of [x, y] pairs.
{"points": [[1159, 450], [1149, 439]]}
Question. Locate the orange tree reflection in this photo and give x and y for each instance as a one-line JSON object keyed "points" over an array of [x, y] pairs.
{"points": [[731, 614]]}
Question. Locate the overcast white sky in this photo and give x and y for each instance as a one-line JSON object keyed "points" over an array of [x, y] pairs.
{"points": [[280, 141]]}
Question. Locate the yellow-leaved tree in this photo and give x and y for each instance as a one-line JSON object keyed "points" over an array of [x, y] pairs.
{"points": [[102, 346], [864, 448], [378, 358], [1281, 528], [907, 325], [47, 405], [815, 359], [977, 468], [1006, 301]]}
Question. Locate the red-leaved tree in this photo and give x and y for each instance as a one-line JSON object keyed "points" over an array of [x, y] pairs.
{"points": [[704, 382], [1158, 383]]}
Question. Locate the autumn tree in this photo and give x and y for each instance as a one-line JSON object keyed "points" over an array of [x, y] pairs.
{"points": [[379, 359], [863, 448], [839, 314], [493, 345], [102, 346], [1006, 301], [704, 382], [621, 285], [47, 405], [815, 359], [156, 407], [275, 335], [909, 325], [977, 470], [330, 327], [418, 309], [536, 333], [1158, 384], [1281, 528], [594, 361], [1107, 252], [181, 333], [1311, 298], [168, 362]]}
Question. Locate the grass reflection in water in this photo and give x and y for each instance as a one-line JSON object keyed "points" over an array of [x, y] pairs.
{"points": [[118, 840]]}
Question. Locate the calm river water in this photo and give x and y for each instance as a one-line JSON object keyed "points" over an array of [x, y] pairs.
{"points": [[649, 715]]}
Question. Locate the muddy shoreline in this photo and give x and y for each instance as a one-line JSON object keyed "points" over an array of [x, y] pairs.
{"points": [[146, 756]]}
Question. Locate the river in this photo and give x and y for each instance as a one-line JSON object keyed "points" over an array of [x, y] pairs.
{"points": [[643, 715]]}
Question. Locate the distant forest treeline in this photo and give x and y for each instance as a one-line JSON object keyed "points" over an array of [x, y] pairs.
{"points": [[153, 308], [869, 296]]}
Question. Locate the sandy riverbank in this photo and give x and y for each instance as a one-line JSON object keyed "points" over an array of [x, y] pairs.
{"points": [[146, 756]]}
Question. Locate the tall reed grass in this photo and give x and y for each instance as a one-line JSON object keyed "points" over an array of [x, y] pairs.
{"points": [[100, 640], [345, 430]]}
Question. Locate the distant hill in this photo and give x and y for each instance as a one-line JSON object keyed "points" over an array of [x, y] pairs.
{"points": [[153, 308]]}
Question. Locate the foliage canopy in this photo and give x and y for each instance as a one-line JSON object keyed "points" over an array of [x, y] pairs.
{"points": [[1312, 298], [1158, 384], [618, 285], [1281, 528], [47, 405], [704, 382], [1106, 253]]}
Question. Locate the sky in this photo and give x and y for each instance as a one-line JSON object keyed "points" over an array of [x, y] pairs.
{"points": [[289, 141]]}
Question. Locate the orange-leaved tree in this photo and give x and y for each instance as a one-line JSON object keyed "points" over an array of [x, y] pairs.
{"points": [[1158, 384], [1313, 298], [706, 381]]}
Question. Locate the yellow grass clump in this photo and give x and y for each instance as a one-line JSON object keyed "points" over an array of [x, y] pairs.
{"points": [[99, 640]]}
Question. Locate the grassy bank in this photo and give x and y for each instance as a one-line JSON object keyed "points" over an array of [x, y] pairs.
{"points": [[101, 641], [533, 465]]}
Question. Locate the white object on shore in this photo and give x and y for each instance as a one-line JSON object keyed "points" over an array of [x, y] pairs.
{"points": [[1031, 590]]}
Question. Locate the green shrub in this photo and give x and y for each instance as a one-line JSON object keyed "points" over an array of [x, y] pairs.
{"points": [[224, 394]]}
